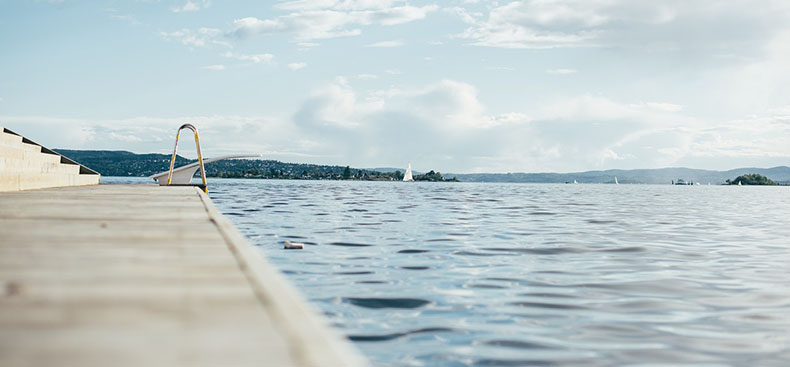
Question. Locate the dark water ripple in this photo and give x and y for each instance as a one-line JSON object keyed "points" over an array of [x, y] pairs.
{"points": [[349, 244], [537, 251], [412, 251], [415, 267], [391, 336], [518, 344], [545, 275], [553, 306], [387, 302]]}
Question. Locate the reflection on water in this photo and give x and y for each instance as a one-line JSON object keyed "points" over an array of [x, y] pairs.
{"points": [[514, 274]]}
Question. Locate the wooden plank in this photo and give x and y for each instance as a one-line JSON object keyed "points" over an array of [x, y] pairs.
{"points": [[136, 275]]}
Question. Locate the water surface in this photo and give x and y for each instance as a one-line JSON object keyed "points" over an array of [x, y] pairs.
{"points": [[463, 274]]}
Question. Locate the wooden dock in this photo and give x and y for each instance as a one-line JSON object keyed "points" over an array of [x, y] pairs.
{"points": [[143, 275]]}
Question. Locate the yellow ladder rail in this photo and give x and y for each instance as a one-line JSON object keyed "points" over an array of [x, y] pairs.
{"points": [[200, 156]]}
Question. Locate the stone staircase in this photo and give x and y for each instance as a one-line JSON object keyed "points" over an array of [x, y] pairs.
{"points": [[25, 165]]}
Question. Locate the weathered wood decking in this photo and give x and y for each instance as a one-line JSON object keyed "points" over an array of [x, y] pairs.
{"points": [[142, 275]]}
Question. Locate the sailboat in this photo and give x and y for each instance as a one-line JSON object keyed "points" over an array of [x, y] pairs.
{"points": [[615, 181], [574, 181], [407, 176]]}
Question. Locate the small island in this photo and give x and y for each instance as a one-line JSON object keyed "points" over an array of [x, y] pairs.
{"points": [[434, 177], [751, 179]]}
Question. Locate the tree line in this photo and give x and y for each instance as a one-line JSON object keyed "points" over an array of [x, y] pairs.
{"points": [[126, 164]]}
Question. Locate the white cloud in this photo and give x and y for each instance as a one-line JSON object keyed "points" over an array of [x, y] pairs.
{"points": [[124, 138], [217, 67], [569, 134], [650, 25], [329, 19], [202, 37], [127, 18], [561, 71], [757, 85], [590, 107], [444, 126], [275, 138], [332, 105], [599, 132], [758, 136], [360, 77], [304, 5], [534, 24], [609, 154], [131, 19], [668, 107], [755, 141], [297, 65], [255, 59], [393, 126], [386, 44], [191, 5]]}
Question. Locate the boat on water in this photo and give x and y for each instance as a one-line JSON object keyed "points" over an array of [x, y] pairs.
{"points": [[574, 182], [407, 177], [615, 181]]}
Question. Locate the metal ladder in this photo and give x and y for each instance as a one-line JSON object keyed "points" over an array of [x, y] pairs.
{"points": [[204, 186]]}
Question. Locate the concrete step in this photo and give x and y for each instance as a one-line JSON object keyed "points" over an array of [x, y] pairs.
{"points": [[21, 145], [31, 147], [28, 181], [6, 138], [13, 165], [24, 166], [26, 154]]}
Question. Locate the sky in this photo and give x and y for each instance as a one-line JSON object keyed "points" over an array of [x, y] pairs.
{"points": [[456, 86]]}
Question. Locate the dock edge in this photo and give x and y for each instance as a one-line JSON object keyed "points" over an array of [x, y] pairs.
{"points": [[311, 340]]}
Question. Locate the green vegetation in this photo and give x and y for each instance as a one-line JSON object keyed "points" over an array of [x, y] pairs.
{"points": [[120, 163], [433, 177], [751, 179]]}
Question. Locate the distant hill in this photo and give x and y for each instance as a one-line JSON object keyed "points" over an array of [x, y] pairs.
{"points": [[122, 163], [636, 176]]}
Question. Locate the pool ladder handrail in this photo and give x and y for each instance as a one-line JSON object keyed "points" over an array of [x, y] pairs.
{"points": [[200, 156]]}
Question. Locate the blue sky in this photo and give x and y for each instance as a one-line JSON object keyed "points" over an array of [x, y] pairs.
{"points": [[456, 86]]}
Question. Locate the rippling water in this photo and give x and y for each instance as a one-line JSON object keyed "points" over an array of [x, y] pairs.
{"points": [[461, 274]]}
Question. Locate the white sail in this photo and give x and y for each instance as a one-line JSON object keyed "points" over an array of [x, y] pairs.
{"points": [[574, 182], [615, 181], [407, 176]]}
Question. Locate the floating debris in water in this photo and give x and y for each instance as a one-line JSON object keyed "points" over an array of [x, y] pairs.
{"points": [[293, 245]]}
